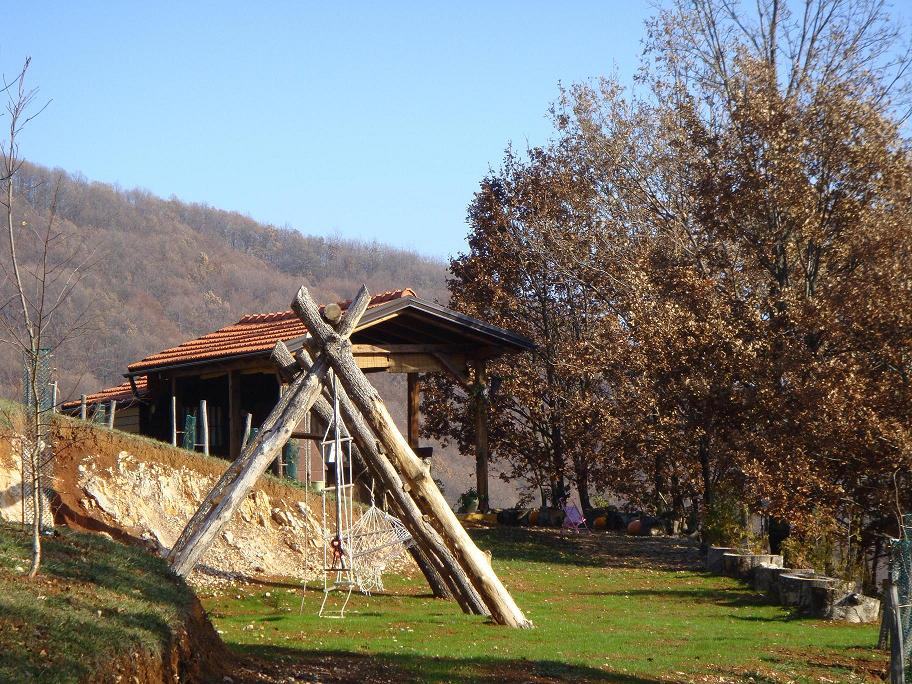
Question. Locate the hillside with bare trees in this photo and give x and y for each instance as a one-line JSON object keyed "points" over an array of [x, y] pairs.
{"points": [[160, 271]]}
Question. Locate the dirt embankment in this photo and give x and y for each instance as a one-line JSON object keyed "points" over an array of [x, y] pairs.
{"points": [[137, 489], [193, 653]]}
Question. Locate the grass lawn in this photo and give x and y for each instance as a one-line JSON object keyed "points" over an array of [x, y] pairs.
{"points": [[93, 600], [606, 608]]}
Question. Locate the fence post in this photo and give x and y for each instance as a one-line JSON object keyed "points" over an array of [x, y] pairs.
{"points": [[82, 408], [897, 653], [54, 389], [113, 407], [204, 426]]}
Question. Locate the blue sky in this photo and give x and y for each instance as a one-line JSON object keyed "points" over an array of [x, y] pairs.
{"points": [[373, 121]]}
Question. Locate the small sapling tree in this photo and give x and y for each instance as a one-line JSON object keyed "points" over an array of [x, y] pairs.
{"points": [[41, 267]]}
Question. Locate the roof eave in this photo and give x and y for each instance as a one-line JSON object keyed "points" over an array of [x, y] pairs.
{"points": [[503, 336]]}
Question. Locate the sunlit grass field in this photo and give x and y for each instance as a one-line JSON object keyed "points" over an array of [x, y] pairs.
{"points": [[606, 608]]}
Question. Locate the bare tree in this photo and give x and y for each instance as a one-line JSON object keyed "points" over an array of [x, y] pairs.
{"points": [[42, 267]]}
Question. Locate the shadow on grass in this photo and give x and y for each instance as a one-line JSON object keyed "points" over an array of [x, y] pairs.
{"points": [[117, 567], [345, 666], [74, 615], [597, 549], [733, 598]]}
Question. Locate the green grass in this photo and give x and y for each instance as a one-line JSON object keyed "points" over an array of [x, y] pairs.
{"points": [[93, 600], [595, 621]]}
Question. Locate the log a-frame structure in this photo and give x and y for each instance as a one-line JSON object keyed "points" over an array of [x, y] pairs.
{"points": [[451, 558]]}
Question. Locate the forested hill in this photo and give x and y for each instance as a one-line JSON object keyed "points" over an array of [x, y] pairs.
{"points": [[165, 270]]}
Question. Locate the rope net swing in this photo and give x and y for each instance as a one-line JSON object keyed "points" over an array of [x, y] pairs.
{"points": [[338, 562], [355, 554]]}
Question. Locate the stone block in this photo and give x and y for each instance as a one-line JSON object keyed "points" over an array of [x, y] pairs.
{"points": [[855, 608], [714, 558], [741, 565]]}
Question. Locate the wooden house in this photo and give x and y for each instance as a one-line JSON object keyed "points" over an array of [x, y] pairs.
{"points": [[231, 370]]}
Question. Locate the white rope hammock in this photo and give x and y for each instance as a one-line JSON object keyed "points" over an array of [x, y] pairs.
{"points": [[377, 540]]}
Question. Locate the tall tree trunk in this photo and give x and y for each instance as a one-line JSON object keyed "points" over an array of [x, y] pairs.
{"points": [[659, 481], [34, 457], [708, 494], [706, 473], [582, 483], [558, 487]]}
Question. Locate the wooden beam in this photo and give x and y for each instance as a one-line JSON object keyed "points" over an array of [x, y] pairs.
{"points": [[374, 362], [204, 425], [455, 370], [277, 464], [414, 408], [374, 349], [133, 386], [248, 427], [332, 313], [414, 363], [235, 427], [482, 454], [173, 420], [175, 404], [258, 364]]}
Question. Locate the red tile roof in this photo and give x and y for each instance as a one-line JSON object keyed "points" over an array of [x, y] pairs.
{"points": [[251, 334], [122, 393]]}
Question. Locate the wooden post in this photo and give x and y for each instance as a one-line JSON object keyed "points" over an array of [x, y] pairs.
{"points": [[112, 406], [54, 388], [306, 448], [439, 588], [414, 408], [482, 453], [277, 464], [204, 426], [234, 414], [248, 426], [173, 420], [413, 470], [176, 411], [436, 555], [897, 650], [83, 412], [232, 488]]}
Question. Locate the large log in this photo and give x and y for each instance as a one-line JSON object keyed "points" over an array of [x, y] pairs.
{"points": [[234, 485], [439, 588], [415, 473], [435, 552]]}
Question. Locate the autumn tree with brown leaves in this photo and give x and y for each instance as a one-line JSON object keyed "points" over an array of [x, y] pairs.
{"points": [[736, 235], [547, 413]]}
